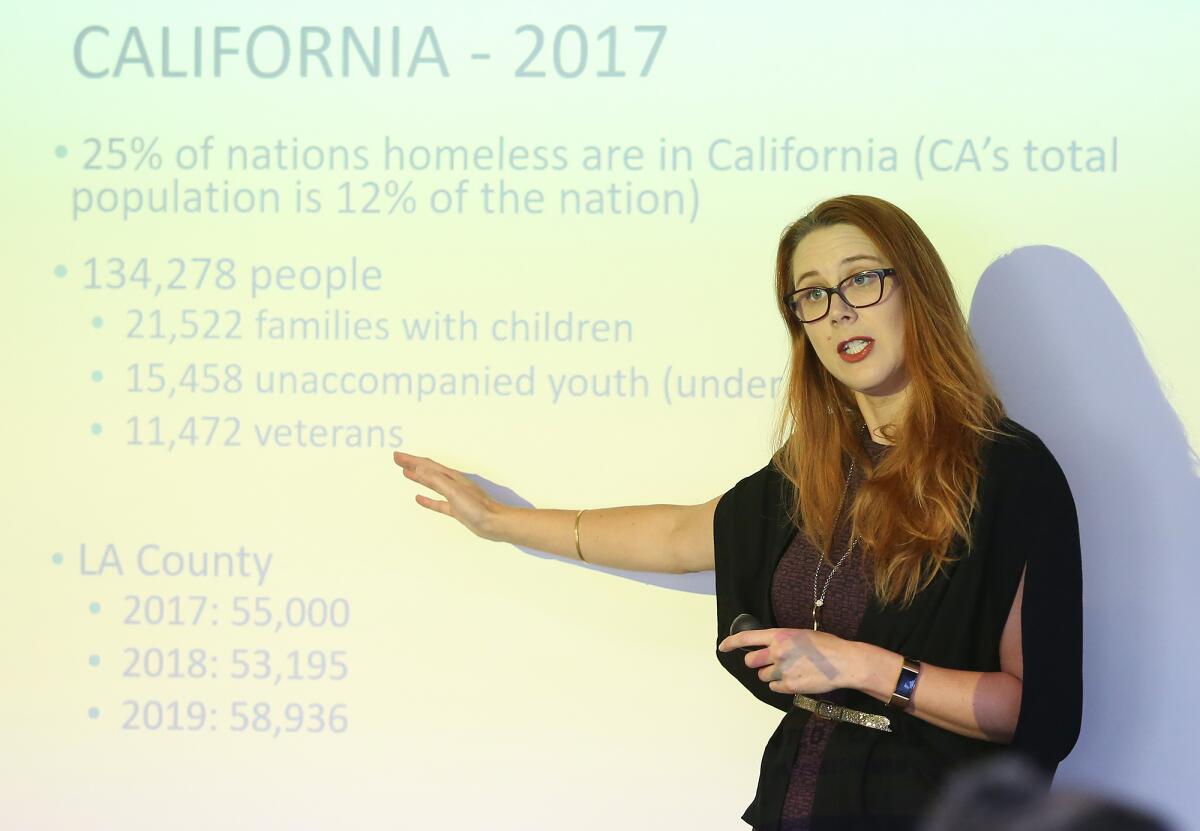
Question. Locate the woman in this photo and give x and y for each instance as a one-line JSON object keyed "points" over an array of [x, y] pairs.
{"points": [[909, 557]]}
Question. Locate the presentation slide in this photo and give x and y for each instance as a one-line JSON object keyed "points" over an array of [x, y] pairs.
{"points": [[254, 250]]}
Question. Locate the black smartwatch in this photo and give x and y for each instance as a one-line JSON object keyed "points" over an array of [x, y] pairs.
{"points": [[905, 684]]}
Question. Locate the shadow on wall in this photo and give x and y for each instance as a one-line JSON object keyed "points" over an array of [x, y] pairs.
{"points": [[1068, 365]]}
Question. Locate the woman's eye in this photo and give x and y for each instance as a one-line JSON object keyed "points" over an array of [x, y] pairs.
{"points": [[813, 294]]}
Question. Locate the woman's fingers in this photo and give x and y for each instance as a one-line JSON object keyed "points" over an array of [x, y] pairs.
{"points": [[432, 475], [433, 504], [431, 478], [415, 467], [424, 463]]}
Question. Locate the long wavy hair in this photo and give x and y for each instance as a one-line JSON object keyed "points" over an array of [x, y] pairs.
{"points": [[908, 510]]}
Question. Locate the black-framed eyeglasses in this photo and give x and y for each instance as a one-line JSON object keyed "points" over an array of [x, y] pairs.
{"points": [[865, 288]]}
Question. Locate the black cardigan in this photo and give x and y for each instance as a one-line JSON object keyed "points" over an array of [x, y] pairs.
{"points": [[1026, 516]]}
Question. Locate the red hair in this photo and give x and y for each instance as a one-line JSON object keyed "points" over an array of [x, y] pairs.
{"points": [[907, 512]]}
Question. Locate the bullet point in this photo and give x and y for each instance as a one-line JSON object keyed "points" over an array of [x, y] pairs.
{"points": [[57, 558], [94, 608], [97, 375], [97, 322], [60, 271], [93, 712], [96, 428], [94, 660], [61, 151]]}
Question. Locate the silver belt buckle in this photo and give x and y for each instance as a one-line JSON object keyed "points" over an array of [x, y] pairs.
{"points": [[827, 710]]}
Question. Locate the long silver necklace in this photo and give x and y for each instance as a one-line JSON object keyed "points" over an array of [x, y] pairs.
{"points": [[818, 602]]}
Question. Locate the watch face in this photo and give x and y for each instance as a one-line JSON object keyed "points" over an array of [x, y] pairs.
{"points": [[908, 680]]}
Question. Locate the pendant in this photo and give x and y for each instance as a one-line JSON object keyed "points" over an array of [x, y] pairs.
{"points": [[817, 613]]}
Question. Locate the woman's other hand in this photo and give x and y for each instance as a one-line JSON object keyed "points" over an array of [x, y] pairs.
{"points": [[800, 660]]}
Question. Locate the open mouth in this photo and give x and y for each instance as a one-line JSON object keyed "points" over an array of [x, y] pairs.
{"points": [[856, 350]]}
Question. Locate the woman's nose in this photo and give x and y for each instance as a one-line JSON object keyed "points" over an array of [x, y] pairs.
{"points": [[838, 307]]}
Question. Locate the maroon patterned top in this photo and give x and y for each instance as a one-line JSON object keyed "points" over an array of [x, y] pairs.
{"points": [[845, 602]]}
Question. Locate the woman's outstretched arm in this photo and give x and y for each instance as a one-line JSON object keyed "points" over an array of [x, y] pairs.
{"points": [[669, 539], [633, 537]]}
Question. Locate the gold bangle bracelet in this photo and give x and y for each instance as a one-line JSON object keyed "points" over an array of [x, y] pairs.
{"points": [[577, 516]]}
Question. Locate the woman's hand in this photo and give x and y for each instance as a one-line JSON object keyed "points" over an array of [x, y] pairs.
{"points": [[800, 660], [465, 501]]}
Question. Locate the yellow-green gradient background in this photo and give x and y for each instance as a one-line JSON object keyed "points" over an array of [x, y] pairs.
{"points": [[488, 688]]}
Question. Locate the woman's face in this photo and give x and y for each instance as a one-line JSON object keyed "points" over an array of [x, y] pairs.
{"points": [[824, 257]]}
